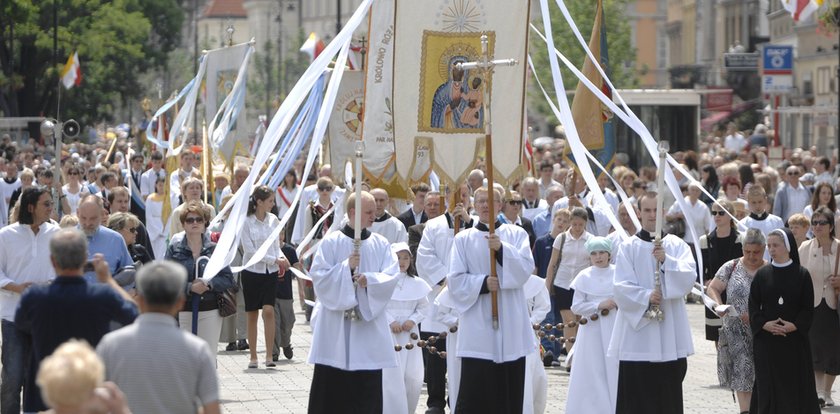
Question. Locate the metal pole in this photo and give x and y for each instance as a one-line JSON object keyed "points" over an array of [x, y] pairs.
{"points": [[338, 17], [55, 54], [837, 118], [195, 61]]}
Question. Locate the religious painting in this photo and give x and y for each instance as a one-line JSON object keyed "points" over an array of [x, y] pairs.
{"points": [[451, 98]]}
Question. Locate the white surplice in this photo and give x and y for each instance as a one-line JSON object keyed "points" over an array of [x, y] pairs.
{"points": [[433, 255], [401, 385], [468, 268], [636, 338], [536, 381], [444, 314], [389, 227], [593, 383], [350, 345]]}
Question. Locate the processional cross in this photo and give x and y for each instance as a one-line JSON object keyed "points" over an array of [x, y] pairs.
{"points": [[487, 66]]}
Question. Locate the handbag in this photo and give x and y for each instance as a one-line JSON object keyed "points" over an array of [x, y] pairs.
{"points": [[227, 301]]}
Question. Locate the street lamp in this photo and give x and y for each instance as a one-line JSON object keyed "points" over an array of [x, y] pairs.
{"points": [[54, 128]]}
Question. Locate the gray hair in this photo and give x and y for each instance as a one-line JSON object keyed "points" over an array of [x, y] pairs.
{"points": [[755, 236], [161, 283], [69, 249]]}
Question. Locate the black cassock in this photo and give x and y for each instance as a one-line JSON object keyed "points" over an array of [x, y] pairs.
{"points": [[784, 377]]}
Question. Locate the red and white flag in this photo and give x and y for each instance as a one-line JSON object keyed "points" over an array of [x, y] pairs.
{"points": [[71, 75], [801, 9], [313, 46]]}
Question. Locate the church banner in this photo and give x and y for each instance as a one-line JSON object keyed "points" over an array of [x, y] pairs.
{"points": [[345, 122], [223, 67], [438, 107]]}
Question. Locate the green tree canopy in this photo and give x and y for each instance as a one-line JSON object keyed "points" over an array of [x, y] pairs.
{"points": [[622, 55], [116, 40]]}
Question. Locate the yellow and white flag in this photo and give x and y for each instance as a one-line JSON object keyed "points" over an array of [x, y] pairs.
{"points": [[71, 75]]}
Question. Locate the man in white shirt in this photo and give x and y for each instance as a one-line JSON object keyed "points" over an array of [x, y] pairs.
{"points": [[823, 175], [546, 177], [150, 177], [652, 353], [759, 218], [792, 196], [734, 140], [385, 224], [8, 185], [24, 261], [351, 341], [184, 171], [492, 358]]}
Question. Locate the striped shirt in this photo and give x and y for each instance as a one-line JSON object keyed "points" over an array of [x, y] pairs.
{"points": [[160, 368]]}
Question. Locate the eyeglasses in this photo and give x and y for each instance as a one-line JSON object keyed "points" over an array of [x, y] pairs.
{"points": [[718, 213], [132, 230], [326, 189], [192, 220], [820, 222], [792, 173], [515, 202]]}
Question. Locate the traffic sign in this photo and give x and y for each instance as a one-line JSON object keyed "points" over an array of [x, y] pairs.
{"points": [[776, 84], [777, 60], [741, 61]]}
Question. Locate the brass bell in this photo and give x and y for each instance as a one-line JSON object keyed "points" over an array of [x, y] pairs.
{"points": [[561, 340], [552, 338], [571, 340], [409, 346], [536, 327], [571, 324], [442, 335], [442, 354], [559, 326], [605, 312], [593, 317], [398, 348], [414, 336], [432, 340], [432, 350], [541, 334], [583, 321], [421, 343], [548, 327], [455, 329]]}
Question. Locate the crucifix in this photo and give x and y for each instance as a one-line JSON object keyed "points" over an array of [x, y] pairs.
{"points": [[486, 66]]}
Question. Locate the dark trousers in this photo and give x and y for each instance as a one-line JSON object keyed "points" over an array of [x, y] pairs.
{"points": [[435, 373], [15, 354], [636, 380], [487, 387], [552, 317], [338, 391]]}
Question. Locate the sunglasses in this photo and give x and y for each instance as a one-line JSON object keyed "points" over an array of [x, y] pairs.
{"points": [[132, 230], [820, 222], [515, 202], [192, 220], [718, 213], [326, 189]]}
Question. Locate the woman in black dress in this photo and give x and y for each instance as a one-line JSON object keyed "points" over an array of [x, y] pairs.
{"points": [[721, 245], [781, 309]]}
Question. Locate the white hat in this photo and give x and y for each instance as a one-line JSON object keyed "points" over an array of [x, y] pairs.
{"points": [[400, 247]]}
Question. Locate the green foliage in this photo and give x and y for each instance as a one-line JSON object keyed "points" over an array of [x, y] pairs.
{"points": [[621, 55], [117, 40]]}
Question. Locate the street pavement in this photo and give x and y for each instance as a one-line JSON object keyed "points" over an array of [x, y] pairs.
{"points": [[286, 388]]}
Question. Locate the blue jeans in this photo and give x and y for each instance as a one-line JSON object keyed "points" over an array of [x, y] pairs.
{"points": [[14, 355], [552, 317]]}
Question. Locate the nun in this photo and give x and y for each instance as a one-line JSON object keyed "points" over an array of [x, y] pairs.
{"points": [[781, 310], [594, 378]]}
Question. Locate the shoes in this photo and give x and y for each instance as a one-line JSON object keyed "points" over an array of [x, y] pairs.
{"points": [[435, 410], [822, 402], [270, 364], [242, 345], [828, 401], [231, 346], [275, 357], [253, 364], [548, 358], [287, 352]]}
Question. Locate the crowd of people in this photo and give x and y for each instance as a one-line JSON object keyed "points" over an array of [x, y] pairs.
{"points": [[102, 263]]}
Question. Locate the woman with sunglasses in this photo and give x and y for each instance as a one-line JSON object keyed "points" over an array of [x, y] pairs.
{"points": [[819, 256], [126, 225], [186, 248], [717, 247], [74, 190]]}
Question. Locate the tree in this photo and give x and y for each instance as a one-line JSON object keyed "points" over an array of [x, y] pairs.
{"points": [[622, 56], [116, 42]]}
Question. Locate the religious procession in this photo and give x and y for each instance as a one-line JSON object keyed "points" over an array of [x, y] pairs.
{"points": [[444, 206]]}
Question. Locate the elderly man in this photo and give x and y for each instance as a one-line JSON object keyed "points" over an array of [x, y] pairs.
{"points": [[183, 368], [792, 196], [352, 289], [533, 204], [475, 179], [100, 238], [70, 307], [385, 224], [24, 261]]}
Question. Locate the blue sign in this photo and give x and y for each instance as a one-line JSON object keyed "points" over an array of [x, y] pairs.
{"points": [[777, 60]]}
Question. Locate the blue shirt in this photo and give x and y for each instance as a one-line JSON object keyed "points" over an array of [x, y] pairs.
{"points": [[68, 308], [542, 254], [542, 223], [112, 245]]}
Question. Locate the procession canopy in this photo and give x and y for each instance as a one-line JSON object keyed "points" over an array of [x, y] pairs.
{"points": [[438, 108]]}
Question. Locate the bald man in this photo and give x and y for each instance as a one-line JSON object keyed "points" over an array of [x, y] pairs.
{"points": [[385, 224]]}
